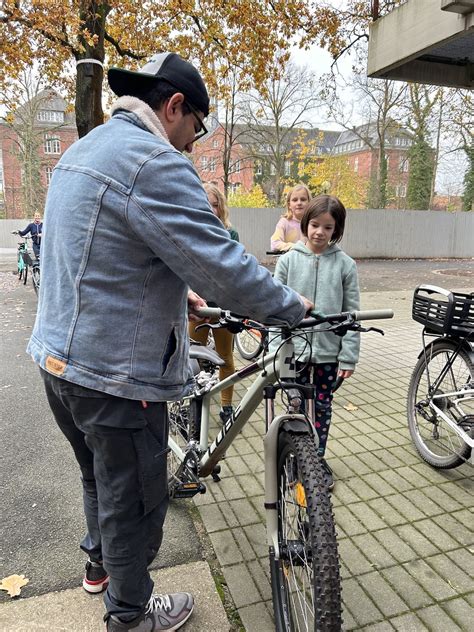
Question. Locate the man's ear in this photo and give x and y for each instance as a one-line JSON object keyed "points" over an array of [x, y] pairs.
{"points": [[173, 107]]}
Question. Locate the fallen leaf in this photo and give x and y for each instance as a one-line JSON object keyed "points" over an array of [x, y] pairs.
{"points": [[13, 584], [350, 406]]}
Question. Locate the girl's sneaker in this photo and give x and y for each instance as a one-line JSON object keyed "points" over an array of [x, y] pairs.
{"points": [[164, 612], [95, 579], [226, 413]]}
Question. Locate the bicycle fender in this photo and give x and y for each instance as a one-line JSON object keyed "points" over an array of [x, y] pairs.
{"points": [[296, 426], [465, 347]]}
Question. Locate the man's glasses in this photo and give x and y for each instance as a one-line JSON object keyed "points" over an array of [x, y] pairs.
{"points": [[202, 129]]}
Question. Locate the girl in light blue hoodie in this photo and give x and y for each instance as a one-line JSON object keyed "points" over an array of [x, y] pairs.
{"points": [[318, 269]]}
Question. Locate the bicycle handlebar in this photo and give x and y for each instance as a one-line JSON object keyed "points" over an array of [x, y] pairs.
{"points": [[315, 317]]}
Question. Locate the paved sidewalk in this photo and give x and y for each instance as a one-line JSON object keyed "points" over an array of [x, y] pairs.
{"points": [[404, 529]]}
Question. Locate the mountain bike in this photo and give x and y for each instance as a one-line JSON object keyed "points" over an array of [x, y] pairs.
{"points": [[303, 554], [440, 403]]}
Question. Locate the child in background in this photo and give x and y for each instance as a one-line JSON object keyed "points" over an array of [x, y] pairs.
{"points": [[223, 339], [35, 229], [321, 271], [288, 230]]}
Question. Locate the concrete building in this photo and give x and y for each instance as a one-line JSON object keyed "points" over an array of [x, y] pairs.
{"points": [[425, 41], [45, 128]]}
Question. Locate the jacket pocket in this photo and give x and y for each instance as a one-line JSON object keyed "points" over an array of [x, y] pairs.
{"points": [[151, 445]]}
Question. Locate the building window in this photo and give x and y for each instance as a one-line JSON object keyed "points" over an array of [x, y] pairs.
{"points": [[204, 163], [52, 145], [287, 168], [51, 116], [258, 168], [212, 165], [356, 165], [215, 143], [401, 190], [49, 174], [237, 166]]}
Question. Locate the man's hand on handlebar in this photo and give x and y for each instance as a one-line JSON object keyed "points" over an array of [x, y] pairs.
{"points": [[195, 302], [307, 303]]}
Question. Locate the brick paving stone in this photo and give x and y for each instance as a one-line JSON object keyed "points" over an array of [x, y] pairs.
{"points": [[241, 585], [386, 511], [372, 462], [383, 626], [244, 511], [360, 487], [367, 516], [360, 606], [383, 594], [255, 462], [411, 474], [343, 468], [447, 502], [251, 485], [437, 620], [388, 457], [256, 619], [352, 557], [407, 455], [408, 623], [260, 577], [243, 544], [417, 540], [213, 518], [226, 548], [405, 586], [343, 494], [464, 559], [458, 530], [348, 621], [236, 465], [394, 544], [419, 498], [357, 464], [379, 484], [376, 553], [458, 493], [438, 536], [257, 536], [231, 489], [432, 583], [397, 481], [460, 611], [405, 507], [348, 522]]}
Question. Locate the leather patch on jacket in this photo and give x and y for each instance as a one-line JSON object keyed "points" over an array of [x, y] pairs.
{"points": [[55, 366]]}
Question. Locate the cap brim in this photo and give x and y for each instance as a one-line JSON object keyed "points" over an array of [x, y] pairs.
{"points": [[129, 82]]}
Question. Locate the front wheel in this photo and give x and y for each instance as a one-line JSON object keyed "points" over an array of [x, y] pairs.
{"points": [[306, 583], [249, 343], [436, 442]]}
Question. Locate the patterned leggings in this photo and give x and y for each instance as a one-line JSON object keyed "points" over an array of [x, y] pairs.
{"points": [[323, 377]]}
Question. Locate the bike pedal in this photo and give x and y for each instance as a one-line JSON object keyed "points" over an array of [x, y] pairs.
{"points": [[189, 489]]}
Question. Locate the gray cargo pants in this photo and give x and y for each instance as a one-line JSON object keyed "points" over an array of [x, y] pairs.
{"points": [[121, 448]]}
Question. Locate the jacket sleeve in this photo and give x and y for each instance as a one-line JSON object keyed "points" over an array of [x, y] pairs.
{"points": [[350, 345], [278, 240], [27, 230], [169, 211], [281, 269]]}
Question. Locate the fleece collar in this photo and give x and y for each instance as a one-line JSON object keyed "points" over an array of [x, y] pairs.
{"points": [[143, 112]]}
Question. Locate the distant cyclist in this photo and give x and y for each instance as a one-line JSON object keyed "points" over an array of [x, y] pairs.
{"points": [[35, 229]]}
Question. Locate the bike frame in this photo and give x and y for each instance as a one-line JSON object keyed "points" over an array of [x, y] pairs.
{"points": [[270, 367]]}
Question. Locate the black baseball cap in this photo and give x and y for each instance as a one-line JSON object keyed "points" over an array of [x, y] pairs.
{"points": [[169, 67]]}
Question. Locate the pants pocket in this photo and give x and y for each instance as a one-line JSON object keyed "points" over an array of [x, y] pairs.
{"points": [[152, 470]]}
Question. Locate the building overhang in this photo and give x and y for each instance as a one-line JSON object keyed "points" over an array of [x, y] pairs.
{"points": [[425, 42]]}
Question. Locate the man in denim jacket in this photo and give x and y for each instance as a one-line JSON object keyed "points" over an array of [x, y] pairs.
{"points": [[111, 330]]}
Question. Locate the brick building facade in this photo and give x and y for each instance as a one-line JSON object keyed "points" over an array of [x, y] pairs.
{"points": [[51, 129]]}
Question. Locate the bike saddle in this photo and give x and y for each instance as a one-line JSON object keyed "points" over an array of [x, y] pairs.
{"points": [[204, 353]]}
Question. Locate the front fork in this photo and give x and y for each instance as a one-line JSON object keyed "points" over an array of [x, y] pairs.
{"points": [[290, 422]]}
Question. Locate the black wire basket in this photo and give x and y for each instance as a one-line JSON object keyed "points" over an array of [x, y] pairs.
{"points": [[444, 312]]}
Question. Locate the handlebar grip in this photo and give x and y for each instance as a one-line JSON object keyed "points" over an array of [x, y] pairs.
{"points": [[373, 314], [209, 312]]}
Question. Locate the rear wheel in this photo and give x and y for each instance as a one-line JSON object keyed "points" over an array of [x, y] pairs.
{"points": [[306, 583], [183, 427], [436, 442], [249, 343]]}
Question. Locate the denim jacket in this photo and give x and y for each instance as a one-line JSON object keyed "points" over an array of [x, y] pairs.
{"points": [[128, 229]]}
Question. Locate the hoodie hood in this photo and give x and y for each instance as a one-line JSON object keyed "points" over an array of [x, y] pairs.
{"points": [[301, 247]]}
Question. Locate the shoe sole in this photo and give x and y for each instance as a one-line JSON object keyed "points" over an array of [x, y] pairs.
{"points": [[94, 588]]}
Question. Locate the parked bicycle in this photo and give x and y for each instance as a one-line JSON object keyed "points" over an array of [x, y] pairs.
{"points": [[301, 535], [25, 261], [441, 391]]}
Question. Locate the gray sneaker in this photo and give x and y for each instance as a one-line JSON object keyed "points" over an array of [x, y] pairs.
{"points": [[163, 612]]}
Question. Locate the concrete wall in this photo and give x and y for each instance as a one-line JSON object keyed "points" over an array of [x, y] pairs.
{"points": [[369, 233]]}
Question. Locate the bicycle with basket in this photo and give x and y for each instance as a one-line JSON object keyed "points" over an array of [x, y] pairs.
{"points": [[440, 403]]}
